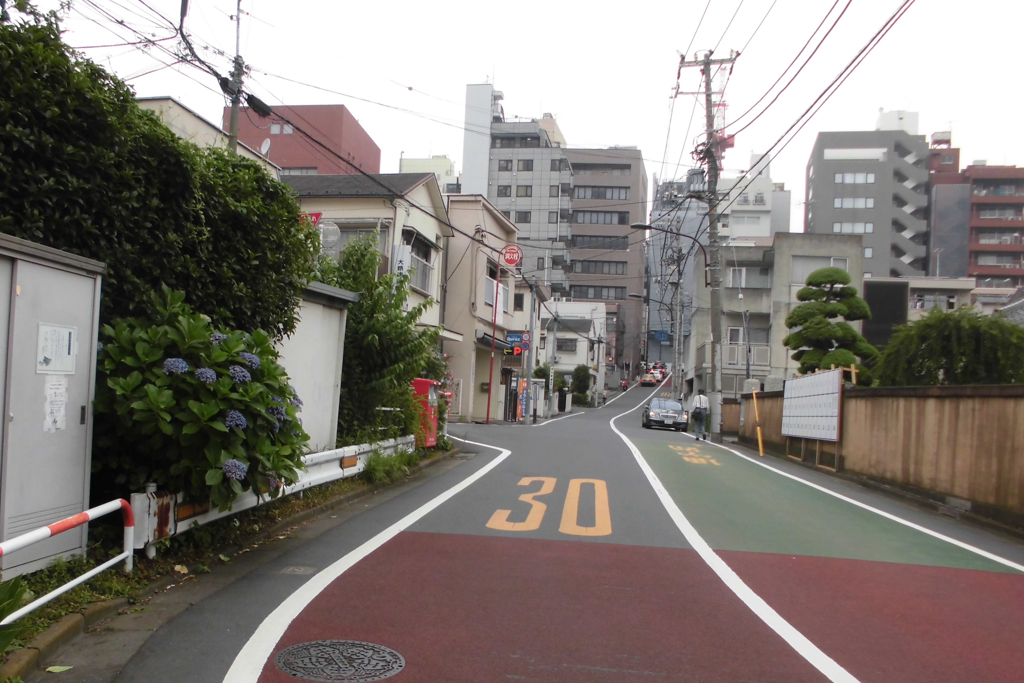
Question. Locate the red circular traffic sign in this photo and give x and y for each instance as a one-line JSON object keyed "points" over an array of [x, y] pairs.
{"points": [[511, 255]]}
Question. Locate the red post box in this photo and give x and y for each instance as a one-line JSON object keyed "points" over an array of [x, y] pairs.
{"points": [[426, 391]]}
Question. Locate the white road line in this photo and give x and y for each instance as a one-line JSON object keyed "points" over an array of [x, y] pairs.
{"points": [[894, 518], [249, 662], [633, 386], [808, 650], [564, 417]]}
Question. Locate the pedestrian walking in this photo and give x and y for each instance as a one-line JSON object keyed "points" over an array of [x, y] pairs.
{"points": [[699, 413], [604, 396]]}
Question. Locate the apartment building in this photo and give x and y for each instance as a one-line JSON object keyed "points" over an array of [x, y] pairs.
{"points": [[758, 206], [609, 194], [332, 124], [440, 165], [874, 184], [761, 277]]}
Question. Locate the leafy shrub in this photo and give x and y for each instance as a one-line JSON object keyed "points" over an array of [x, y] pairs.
{"points": [[193, 409], [579, 399], [581, 379], [384, 469], [11, 597], [384, 350], [84, 169]]}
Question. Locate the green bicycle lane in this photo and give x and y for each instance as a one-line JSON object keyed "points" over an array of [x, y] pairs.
{"points": [[884, 600]]}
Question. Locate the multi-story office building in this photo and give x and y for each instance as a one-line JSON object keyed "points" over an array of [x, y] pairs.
{"points": [[332, 124], [995, 248], [609, 194], [522, 169], [758, 206], [672, 210], [874, 184]]}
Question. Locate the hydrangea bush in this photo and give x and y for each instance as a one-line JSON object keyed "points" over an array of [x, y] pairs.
{"points": [[190, 408]]}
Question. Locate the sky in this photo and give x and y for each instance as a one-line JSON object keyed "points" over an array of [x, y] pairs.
{"points": [[606, 71]]}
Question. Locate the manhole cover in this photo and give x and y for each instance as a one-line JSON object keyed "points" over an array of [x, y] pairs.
{"points": [[340, 660]]}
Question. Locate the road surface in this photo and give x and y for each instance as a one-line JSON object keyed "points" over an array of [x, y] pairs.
{"points": [[589, 549]]}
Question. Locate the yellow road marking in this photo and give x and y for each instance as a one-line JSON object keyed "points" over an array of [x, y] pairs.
{"points": [[694, 455], [499, 520], [570, 513]]}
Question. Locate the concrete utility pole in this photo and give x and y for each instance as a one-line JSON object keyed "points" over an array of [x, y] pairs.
{"points": [[531, 409], [236, 82], [714, 263]]}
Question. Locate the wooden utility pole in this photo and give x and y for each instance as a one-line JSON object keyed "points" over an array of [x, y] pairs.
{"points": [[710, 156], [236, 82]]}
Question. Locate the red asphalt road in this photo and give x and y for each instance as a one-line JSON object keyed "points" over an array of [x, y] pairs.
{"points": [[501, 609]]}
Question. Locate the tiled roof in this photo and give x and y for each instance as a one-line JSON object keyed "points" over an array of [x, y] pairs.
{"points": [[355, 185]]}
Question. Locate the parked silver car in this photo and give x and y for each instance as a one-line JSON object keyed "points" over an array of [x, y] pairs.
{"points": [[664, 412]]}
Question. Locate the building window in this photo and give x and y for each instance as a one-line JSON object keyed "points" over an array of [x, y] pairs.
{"points": [[566, 345], [1001, 212], [759, 198], [504, 190], [868, 251], [552, 217], [504, 142], [504, 164], [299, 170], [855, 178], [803, 266], [840, 262], [517, 302], [287, 129], [531, 141], [540, 263], [275, 129], [744, 220], [867, 276], [585, 192], [599, 267], [553, 191], [507, 214], [587, 292], [617, 242], [526, 164], [601, 217], [947, 160], [737, 277], [543, 343], [853, 228], [853, 203], [743, 199], [524, 190], [566, 189], [735, 335], [522, 216]]}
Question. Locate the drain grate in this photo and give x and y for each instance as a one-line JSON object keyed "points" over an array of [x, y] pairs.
{"points": [[332, 661]]}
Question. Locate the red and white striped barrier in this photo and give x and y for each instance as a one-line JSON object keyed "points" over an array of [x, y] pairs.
{"points": [[43, 533]]}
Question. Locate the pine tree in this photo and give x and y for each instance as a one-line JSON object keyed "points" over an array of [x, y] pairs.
{"points": [[819, 342]]}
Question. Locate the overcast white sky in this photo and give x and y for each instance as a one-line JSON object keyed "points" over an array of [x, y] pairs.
{"points": [[605, 70]]}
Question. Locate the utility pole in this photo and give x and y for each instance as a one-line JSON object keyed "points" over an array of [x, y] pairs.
{"points": [[531, 408], [236, 82], [714, 265]]}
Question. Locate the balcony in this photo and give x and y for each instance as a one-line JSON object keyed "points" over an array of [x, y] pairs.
{"points": [[977, 221], [997, 242], [735, 356], [420, 276], [1003, 268]]}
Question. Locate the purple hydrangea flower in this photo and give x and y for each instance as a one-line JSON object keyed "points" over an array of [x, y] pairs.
{"points": [[296, 401], [275, 426], [251, 359], [235, 419], [277, 399], [239, 374], [206, 375], [217, 338], [175, 366], [99, 346], [277, 412], [233, 469], [273, 479]]}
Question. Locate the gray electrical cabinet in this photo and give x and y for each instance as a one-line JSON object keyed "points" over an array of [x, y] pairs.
{"points": [[49, 323]]}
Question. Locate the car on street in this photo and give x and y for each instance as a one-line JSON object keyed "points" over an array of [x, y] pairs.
{"points": [[648, 380], [664, 412]]}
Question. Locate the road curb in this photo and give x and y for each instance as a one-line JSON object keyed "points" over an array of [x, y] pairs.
{"points": [[45, 645]]}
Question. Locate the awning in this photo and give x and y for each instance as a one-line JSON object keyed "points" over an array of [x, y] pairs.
{"points": [[485, 339]]}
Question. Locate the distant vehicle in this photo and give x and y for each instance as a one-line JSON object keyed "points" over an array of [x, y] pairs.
{"points": [[624, 384], [649, 380], [663, 412], [659, 365], [661, 373]]}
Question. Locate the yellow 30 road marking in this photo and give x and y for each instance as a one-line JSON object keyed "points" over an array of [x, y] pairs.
{"points": [[694, 455], [499, 520], [570, 513]]}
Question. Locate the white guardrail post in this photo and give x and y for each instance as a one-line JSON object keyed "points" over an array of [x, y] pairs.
{"points": [[43, 533]]}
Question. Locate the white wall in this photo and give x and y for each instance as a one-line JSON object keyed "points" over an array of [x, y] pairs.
{"points": [[313, 357], [476, 142]]}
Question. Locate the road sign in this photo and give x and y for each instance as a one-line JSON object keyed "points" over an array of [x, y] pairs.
{"points": [[511, 255], [514, 338], [526, 336], [525, 346], [314, 218]]}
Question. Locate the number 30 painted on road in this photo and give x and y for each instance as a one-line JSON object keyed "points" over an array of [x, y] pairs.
{"points": [[570, 512]]}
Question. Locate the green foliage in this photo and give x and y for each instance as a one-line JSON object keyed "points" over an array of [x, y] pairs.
{"points": [[581, 379], [84, 169], [954, 348], [579, 399], [157, 423], [384, 350], [384, 469], [544, 372], [819, 342], [11, 598]]}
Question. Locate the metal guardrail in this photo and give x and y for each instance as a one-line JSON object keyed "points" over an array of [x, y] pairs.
{"points": [[49, 531], [161, 514]]}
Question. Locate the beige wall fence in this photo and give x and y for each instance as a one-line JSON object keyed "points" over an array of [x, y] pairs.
{"points": [[965, 442]]}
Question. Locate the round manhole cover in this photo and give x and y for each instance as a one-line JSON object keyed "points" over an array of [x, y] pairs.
{"points": [[330, 661]]}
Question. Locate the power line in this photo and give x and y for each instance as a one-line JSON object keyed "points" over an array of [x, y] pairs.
{"points": [[694, 36], [744, 48], [727, 26]]}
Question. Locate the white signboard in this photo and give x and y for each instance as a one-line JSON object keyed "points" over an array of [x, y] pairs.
{"points": [[55, 407], [56, 349], [810, 406]]}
